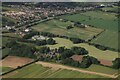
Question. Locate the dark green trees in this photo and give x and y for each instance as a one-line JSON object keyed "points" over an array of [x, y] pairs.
{"points": [[44, 50], [50, 41], [79, 50], [116, 63]]}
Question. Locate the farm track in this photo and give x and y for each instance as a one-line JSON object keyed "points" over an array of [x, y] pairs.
{"points": [[58, 66]]}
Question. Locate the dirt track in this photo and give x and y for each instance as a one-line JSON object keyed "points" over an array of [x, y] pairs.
{"points": [[58, 66]]}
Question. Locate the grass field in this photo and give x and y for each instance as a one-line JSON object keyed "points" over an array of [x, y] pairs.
{"points": [[96, 18], [108, 39], [106, 55], [59, 27], [38, 71]]}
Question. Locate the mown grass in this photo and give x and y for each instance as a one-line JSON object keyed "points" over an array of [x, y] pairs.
{"points": [[106, 55]]}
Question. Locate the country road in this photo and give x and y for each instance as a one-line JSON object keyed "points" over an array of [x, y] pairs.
{"points": [[58, 66]]}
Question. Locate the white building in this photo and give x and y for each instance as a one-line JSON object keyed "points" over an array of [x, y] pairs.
{"points": [[37, 37]]}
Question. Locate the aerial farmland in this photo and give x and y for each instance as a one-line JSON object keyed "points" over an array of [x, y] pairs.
{"points": [[60, 40]]}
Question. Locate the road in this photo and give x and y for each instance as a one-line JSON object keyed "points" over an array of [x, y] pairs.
{"points": [[58, 66]]}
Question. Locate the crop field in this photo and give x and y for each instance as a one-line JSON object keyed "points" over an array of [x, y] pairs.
{"points": [[5, 69], [14, 61], [108, 39], [97, 19], [38, 71], [106, 55], [102, 69], [59, 27]]}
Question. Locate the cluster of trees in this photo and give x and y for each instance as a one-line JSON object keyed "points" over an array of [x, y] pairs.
{"points": [[77, 40], [21, 50], [74, 40], [69, 27], [116, 63], [66, 53], [47, 34], [85, 63], [44, 49], [79, 50], [100, 47], [27, 36], [49, 41], [77, 24]]}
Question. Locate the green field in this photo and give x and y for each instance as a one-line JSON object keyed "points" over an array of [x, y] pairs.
{"points": [[5, 69], [38, 71], [5, 52], [5, 8], [59, 27], [108, 39], [106, 55], [96, 18], [114, 8]]}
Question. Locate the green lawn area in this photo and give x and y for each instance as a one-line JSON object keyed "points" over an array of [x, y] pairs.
{"points": [[38, 71], [106, 55], [98, 19], [108, 39], [59, 27], [102, 69]]}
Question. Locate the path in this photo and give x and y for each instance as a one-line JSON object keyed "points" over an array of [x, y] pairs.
{"points": [[58, 66]]}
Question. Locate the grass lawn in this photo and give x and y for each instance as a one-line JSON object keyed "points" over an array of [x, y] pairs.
{"points": [[38, 71], [59, 27], [106, 55], [96, 18], [102, 69]]}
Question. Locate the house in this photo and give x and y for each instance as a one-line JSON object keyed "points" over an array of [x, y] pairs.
{"points": [[37, 37], [105, 62], [77, 58], [27, 30], [8, 27]]}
